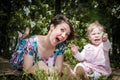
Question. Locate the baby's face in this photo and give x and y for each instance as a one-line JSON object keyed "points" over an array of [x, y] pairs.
{"points": [[96, 36]]}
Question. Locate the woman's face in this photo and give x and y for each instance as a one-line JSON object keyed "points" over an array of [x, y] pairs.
{"points": [[59, 33], [95, 36]]}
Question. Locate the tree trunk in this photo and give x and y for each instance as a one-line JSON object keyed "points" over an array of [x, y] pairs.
{"points": [[57, 7]]}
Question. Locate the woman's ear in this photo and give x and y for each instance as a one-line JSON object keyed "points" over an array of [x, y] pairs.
{"points": [[52, 27]]}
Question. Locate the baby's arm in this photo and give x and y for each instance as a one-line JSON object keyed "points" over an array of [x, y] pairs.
{"points": [[79, 56], [104, 37], [106, 42]]}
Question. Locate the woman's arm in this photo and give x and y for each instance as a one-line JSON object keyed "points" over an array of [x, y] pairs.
{"points": [[59, 63], [30, 68], [28, 63]]}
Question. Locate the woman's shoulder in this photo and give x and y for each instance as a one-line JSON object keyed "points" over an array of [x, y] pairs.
{"points": [[31, 41], [32, 38]]}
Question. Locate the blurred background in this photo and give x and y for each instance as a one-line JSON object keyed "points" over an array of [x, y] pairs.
{"points": [[16, 15]]}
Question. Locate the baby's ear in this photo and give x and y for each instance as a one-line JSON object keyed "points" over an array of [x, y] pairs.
{"points": [[89, 37]]}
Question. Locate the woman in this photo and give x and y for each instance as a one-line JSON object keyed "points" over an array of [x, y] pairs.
{"points": [[44, 51]]}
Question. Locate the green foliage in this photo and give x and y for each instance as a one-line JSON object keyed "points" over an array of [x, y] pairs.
{"points": [[16, 15], [21, 14], [69, 58], [37, 15], [41, 75]]}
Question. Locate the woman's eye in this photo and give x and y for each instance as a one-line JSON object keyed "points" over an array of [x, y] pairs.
{"points": [[62, 30], [67, 34]]}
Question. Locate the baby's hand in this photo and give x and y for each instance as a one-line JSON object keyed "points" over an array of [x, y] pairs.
{"points": [[74, 49], [105, 37]]}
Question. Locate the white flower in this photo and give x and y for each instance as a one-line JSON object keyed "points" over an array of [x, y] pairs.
{"points": [[30, 1], [27, 11], [32, 23]]}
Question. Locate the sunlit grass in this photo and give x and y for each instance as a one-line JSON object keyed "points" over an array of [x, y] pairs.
{"points": [[41, 75]]}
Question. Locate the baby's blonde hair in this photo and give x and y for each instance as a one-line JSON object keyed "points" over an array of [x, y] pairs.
{"points": [[94, 25]]}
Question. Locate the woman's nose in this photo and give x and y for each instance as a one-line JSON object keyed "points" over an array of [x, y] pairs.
{"points": [[64, 35]]}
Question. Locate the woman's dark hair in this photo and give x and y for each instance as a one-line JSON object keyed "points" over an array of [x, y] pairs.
{"points": [[59, 18]]}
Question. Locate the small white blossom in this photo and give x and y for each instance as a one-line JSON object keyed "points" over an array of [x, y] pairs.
{"points": [[32, 23], [30, 1], [27, 11]]}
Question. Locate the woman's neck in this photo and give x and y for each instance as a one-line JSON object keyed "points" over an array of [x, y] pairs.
{"points": [[44, 47], [44, 42]]}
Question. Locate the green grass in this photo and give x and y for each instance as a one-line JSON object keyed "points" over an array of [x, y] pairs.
{"points": [[41, 75]]}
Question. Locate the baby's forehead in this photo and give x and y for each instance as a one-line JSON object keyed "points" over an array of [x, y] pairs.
{"points": [[96, 29]]}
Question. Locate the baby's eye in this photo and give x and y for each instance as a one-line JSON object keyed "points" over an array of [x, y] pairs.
{"points": [[93, 33], [99, 33]]}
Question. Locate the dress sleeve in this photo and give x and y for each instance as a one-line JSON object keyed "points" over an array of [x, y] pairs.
{"points": [[60, 48], [25, 46], [17, 57], [31, 46]]}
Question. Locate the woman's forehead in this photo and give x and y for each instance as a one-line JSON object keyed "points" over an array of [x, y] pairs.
{"points": [[65, 26]]}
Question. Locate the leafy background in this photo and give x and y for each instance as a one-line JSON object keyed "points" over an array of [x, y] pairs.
{"points": [[16, 15]]}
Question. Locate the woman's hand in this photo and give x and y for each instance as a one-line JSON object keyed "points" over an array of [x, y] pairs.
{"points": [[42, 66], [30, 68]]}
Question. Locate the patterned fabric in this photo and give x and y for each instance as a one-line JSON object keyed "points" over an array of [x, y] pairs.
{"points": [[29, 46]]}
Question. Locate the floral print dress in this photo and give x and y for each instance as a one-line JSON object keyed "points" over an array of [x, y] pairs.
{"points": [[29, 46]]}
